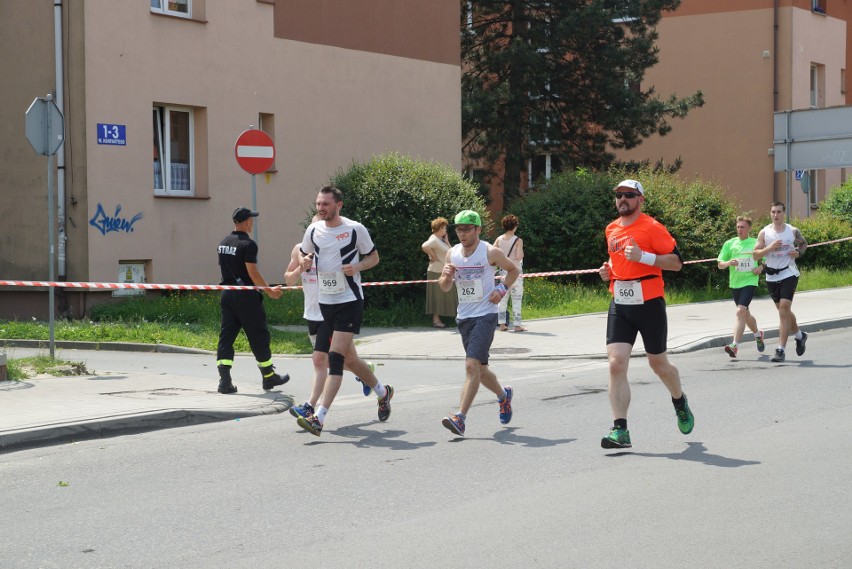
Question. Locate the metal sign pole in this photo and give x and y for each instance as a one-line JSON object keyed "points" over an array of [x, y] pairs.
{"points": [[45, 129], [787, 205], [789, 195], [254, 203], [51, 239]]}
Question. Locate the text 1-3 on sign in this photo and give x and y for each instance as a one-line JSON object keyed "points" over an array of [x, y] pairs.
{"points": [[255, 151], [114, 134]]}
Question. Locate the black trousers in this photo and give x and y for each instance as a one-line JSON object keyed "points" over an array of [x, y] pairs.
{"points": [[243, 310]]}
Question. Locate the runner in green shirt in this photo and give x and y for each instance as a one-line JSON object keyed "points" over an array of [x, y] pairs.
{"points": [[736, 256]]}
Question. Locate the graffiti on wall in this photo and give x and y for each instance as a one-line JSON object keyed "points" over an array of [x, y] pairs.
{"points": [[107, 224]]}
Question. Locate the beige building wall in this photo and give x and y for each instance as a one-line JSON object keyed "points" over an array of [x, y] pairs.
{"points": [[727, 51], [331, 106], [23, 173]]}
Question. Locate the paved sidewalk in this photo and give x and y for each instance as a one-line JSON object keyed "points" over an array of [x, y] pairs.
{"points": [[121, 399]]}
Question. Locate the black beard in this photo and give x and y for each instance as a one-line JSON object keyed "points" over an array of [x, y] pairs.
{"points": [[627, 213]]}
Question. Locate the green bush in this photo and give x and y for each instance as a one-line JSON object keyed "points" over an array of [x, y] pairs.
{"points": [[396, 198], [839, 202], [563, 224], [825, 227], [699, 216]]}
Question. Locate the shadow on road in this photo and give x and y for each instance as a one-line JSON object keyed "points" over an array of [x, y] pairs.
{"points": [[365, 438], [694, 452]]}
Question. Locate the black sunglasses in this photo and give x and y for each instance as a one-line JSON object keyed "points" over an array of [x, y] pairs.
{"points": [[628, 195]]}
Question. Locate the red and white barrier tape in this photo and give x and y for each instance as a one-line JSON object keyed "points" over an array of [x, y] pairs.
{"points": [[153, 286]]}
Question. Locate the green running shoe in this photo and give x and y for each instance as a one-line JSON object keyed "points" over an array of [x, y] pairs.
{"points": [[617, 438], [685, 420]]}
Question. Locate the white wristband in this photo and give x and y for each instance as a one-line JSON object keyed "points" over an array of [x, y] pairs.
{"points": [[648, 258]]}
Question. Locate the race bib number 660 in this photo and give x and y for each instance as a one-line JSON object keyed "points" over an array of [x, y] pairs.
{"points": [[628, 292]]}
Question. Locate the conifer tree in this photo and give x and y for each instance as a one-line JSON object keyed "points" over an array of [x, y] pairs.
{"points": [[563, 77]]}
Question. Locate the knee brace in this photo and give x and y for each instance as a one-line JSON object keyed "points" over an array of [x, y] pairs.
{"points": [[335, 363]]}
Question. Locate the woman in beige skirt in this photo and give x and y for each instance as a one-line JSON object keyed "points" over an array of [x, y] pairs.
{"points": [[438, 302]]}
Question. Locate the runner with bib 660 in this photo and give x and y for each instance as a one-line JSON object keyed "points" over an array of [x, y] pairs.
{"points": [[640, 248]]}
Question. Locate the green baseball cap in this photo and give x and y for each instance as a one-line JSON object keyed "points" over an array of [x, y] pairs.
{"points": [[468, 217]]}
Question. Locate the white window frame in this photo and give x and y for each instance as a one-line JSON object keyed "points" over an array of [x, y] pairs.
{"points": [[819, 6], [817, 86], [625, 19], [813, 188], [165, 152], [162, 7], [548, 169]]}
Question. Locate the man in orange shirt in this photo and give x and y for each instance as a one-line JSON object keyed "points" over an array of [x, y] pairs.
{"points": [[640, 248]]}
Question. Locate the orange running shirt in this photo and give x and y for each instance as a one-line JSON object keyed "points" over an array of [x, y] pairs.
{"points": [[651, 236]]}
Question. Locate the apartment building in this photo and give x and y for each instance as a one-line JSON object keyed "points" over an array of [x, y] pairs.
{"points": [[154, 95], [750, 58]]}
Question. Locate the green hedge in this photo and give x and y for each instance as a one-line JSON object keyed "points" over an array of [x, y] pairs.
{"points": [[821, 228], [839, 202], [563, 224], [396, 198]]}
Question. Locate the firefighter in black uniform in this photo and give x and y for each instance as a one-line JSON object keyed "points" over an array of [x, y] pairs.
{"points": [[244, 308]]}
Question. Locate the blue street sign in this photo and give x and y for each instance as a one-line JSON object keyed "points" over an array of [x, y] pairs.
{"points": [[800, 174], [114, 134]]}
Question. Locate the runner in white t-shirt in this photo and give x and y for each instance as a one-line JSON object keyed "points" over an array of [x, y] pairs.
{"points": [[313, 316], [342, 249], [782, 244]]}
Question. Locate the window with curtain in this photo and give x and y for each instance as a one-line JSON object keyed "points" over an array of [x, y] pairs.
{"points": [[172, 7], [173, 151]]}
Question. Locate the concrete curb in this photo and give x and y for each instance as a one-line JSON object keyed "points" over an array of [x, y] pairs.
{"points": [[131, 424], [722, 341], [106, 346]]}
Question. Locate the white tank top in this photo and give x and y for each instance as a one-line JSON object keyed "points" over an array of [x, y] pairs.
{"points": [[780, 259], [311, 289], [474, 281]]}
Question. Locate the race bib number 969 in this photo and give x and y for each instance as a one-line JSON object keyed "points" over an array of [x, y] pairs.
{"points": [[332, 283]]}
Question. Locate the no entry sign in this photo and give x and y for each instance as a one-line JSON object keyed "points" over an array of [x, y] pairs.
{"points": [[255, 151]]}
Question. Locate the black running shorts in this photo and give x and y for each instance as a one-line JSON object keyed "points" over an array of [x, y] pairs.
{"points": [[649, 319]]}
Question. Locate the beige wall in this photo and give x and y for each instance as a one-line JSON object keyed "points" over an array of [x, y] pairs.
{"points": [[23, 173], [829, 51], [406, 28], [728, 139], [331, 106]]}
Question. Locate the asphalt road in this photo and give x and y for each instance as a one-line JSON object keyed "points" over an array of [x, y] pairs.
{"points": [[761, 482]]}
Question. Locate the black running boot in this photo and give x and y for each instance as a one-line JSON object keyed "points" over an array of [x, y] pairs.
{"points": [[225, 384], [272, 379]]}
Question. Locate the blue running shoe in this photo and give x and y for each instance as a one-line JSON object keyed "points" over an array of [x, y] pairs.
{"points": [[302, 411], [506, 406], [364, 387], [455, 424]]}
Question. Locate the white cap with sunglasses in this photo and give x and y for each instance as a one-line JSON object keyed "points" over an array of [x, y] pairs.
{"points": [[632, 184]]}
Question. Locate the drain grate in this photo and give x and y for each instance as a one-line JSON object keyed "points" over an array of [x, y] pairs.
{"points": [[510, 350], [151, 394]]}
